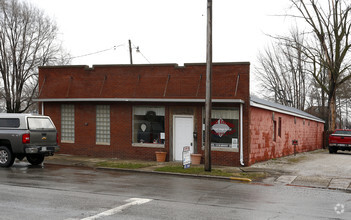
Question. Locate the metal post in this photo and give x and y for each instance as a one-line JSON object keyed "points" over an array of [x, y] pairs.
{"points": [[130, 52], [208, 104]]}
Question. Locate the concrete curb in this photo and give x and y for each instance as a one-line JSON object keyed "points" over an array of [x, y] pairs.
{"points": [[276, 175], [241, 179], [176, 174], [320, 187]]}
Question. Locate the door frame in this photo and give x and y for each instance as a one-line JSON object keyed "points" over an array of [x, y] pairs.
{"points": [[174, 133]]}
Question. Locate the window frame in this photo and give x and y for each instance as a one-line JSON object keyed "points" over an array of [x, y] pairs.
{"points": [[152, 145], [214, 148]]}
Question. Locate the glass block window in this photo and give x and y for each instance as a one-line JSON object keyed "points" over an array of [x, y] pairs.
{"points": [[67, 123], [102, 124]]}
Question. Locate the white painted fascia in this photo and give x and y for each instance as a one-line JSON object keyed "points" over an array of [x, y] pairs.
{"points": [[136, 100]]}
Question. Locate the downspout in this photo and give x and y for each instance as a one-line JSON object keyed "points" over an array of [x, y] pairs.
{"points": [[241, 136], [42, 108]]}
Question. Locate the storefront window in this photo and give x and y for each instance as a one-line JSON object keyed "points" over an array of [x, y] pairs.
{"points": [[224, 128], [148, 125]]}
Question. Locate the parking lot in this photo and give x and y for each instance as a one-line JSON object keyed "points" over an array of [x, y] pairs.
{"points": [[312, 169], [316, 163]]}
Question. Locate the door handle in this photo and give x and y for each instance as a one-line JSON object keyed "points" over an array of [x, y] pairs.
{"points": [[191, 144]]}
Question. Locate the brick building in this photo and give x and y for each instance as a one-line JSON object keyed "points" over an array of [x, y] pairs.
{"points": [[131, 111]]}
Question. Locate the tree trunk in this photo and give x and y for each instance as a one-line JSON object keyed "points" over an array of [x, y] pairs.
{"points": [[332, 112]]}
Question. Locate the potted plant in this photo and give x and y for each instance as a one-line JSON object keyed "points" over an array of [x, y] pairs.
{"points": [[195, 159], [161, 156]]}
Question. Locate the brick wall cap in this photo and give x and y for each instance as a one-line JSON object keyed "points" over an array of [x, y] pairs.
{"points": [[149, 65]]}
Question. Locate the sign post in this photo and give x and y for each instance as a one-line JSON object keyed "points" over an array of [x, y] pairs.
{"points": [[186, 157]]}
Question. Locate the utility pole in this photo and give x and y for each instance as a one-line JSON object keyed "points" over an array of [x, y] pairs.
{"points": [[130, 52], [208, 102]]}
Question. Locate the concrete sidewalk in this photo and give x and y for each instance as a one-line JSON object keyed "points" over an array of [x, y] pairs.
{"points": [[311, 169], [151, 167]]}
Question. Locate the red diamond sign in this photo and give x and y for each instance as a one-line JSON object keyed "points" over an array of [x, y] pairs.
{"points": [[220, 128]]}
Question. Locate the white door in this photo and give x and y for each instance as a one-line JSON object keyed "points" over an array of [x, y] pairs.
{"points": [[183, 127]]}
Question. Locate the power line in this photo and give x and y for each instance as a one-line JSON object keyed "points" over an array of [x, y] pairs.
{"points": [[100, 51], [112, 48], [143, 56], [138, 50]]}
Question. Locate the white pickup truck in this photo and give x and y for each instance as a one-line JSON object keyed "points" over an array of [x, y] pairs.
{"points": [[26, 135]]}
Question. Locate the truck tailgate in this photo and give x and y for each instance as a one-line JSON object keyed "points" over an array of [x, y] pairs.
{"points": [[43, 138], [42, 131]]}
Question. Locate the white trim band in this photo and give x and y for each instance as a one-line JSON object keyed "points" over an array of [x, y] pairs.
{"points": [[136, 100]]}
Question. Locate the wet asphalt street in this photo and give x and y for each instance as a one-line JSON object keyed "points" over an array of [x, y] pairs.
{"points": [[63, 192]]}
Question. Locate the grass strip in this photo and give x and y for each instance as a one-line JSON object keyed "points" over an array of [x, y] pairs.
{"points": [[110, 164], [214, 172]]}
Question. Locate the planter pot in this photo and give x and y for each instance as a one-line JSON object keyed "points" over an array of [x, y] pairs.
{"points": [[161, 156], [195, 159]]}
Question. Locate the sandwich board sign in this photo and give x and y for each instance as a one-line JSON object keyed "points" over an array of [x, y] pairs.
{"points": [[186, 157]]}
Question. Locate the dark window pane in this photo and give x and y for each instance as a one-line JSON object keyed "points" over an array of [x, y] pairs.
{"points": [[224, 128], [9, 122], [148, 125], [344, 132]]}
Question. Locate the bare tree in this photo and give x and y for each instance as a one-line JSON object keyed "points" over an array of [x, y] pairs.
{"points": [[28, 39], [316, 105], [330, 25], [282, 71], [343, 95]]}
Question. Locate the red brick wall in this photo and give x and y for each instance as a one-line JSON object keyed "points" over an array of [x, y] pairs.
{"points": [[169, 82], [143, 81], [140, 81], [121, 133], [258, 140], [308, 133], [85, 128]]}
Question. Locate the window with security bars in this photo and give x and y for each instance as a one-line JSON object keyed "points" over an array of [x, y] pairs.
{"points": [[67, 123], [103, 124]]}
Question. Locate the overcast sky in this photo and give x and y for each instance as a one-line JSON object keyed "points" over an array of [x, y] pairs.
{"points": [[166, 31]]}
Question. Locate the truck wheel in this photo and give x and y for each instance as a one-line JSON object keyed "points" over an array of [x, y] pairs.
{"points": [[332, 150], [35, 159], [6, 157]]}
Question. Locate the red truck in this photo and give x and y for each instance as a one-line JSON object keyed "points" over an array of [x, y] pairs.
{"points": [[340, 139]]}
